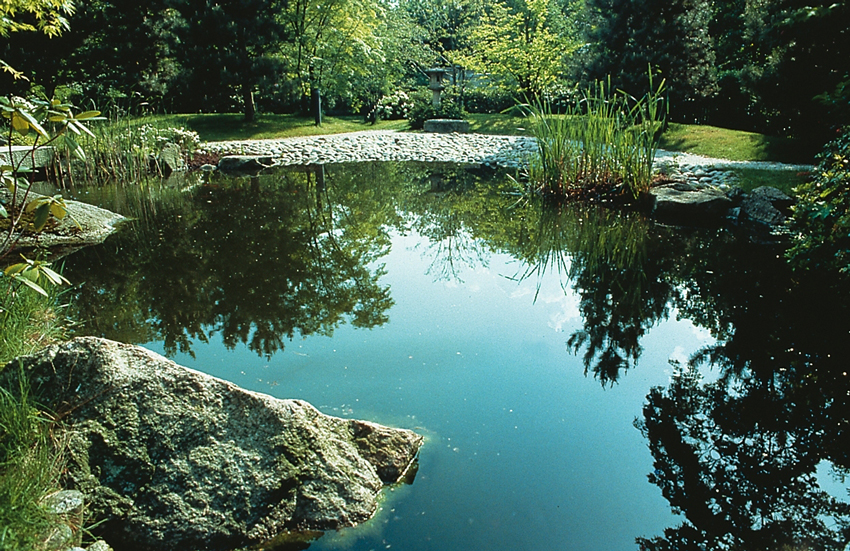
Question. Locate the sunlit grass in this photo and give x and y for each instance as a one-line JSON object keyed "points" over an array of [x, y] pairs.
{"points": [[221, 127], [736, 145], [30, 454]]}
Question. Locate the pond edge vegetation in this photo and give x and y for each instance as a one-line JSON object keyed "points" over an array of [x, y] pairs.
{"points": [[604, 143]]}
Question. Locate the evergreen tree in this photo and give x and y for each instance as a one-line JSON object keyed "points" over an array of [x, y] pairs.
{"points": [[670, 35]]}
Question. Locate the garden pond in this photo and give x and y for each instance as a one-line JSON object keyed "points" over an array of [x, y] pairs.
{"points": [[584, 377]]}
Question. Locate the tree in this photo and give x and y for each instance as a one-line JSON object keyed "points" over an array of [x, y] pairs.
{"points": [[802, 74], [519, 45], [671, 36], [46, 16], [332, 43], [446, 24], [227, 47]]}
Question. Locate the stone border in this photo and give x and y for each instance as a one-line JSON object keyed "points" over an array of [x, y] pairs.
{"points": [[483, 149]]}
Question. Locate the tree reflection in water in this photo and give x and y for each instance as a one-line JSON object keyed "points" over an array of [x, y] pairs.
{"points": [[738, 456], [288, 253], [257, 260], [617, 262]]}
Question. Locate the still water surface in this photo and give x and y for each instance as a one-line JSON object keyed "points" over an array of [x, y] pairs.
{"points": [[522, 341]]}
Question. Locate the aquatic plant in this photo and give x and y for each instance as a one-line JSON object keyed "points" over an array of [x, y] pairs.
{"points": [[604, 142], [128, 148]]}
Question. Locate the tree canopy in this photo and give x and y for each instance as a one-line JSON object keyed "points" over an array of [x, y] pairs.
{"points": [[777, 67]]}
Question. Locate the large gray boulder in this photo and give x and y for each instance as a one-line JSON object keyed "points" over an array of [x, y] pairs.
{"points": [[685, 203], [83, 225], [173, 459]]}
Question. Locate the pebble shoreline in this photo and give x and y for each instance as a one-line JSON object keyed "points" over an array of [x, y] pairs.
{"points": [[482, 149]]}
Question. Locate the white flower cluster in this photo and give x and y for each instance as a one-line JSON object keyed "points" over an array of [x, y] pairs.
{"points": [[153, 138], [394, 106]]}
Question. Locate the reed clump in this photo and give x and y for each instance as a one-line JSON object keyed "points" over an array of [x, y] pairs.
{"points": [[604, 143], [126, 148]]}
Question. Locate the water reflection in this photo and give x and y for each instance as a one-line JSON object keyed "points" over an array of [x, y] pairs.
{"points": [[257, 260], [737, 434], [738, 456], [616, 261]]}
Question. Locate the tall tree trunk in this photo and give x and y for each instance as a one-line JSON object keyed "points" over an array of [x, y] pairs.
{"points": [[248, 100]]}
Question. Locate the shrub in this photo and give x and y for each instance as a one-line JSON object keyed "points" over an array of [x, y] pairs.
{"points": [[423, 110], [821, 218], [393, 107], [489, 99]]}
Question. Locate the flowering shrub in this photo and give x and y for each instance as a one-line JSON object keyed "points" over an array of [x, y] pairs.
{"points": [[152, 139], [393, 107]]}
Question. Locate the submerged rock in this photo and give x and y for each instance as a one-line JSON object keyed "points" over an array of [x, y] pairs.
{"points": [[172, 458]]}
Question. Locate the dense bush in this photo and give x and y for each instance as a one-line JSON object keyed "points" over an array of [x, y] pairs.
{"points": [[392, 107], [821, 220], [489, 99], [422, 109]]}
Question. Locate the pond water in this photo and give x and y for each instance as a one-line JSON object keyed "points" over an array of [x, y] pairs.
{"points": [[583, 377]]}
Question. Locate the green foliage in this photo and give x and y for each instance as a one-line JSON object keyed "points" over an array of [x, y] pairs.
{"points": [[488, 99], [25, 118], [606, 141], [423, 110], [801, 67], [672, 36], [821, 219], [46, 16], [519, 46], [447, 24]]}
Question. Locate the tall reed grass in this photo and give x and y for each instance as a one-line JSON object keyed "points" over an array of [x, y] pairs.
{"points": [[605, 141], [124, 148]]}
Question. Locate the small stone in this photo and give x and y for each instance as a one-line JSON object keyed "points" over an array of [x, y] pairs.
{"points": [[64, 502]]}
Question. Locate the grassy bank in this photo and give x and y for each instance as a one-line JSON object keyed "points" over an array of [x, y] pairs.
{"points": [[31, 458], [709, 141], [221, 127]]}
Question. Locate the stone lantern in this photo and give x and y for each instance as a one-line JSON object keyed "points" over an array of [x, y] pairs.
{"points": [[436, 85]]}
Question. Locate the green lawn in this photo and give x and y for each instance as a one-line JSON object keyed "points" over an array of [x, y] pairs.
{"points": [[220, 127], [736, 145], [710, 141]]}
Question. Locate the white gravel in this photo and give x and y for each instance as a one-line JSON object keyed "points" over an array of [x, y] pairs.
{"points": [[389, 145]]}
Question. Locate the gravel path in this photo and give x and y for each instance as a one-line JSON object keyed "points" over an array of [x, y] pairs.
{"points": [[389, 145]]}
